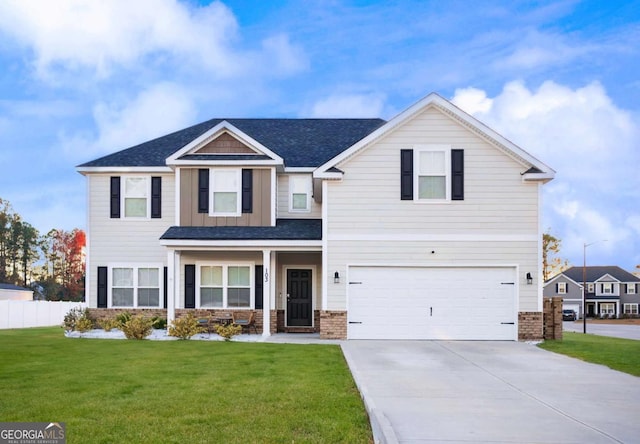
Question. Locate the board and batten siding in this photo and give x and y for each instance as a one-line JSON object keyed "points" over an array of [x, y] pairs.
{"points": [[124, 240], [261, 211], [497, 223], [283, 212]]}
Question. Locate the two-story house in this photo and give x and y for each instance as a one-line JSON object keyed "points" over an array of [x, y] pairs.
{"points": [[611, 291], [426, 226]]}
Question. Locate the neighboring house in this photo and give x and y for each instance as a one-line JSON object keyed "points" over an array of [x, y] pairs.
{"points": [[10, 292], [611, 291], [423, 227]]}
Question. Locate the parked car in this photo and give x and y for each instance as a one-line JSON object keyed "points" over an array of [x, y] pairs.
{"points": [[569, 315]]}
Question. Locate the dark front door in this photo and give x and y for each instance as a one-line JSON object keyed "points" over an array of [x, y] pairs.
{"points": [[299, 302]]}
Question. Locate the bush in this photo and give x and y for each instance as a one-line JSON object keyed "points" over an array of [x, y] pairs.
{"points": [[138, 327], [123, 317], [71, 319], [185, 327], [159, 322], [228, 331], [84, 324], [109, 324]]}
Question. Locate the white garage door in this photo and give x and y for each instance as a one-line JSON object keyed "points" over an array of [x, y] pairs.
{"points": [[432, 303]]}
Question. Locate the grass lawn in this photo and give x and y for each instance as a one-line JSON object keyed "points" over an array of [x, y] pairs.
{"points": [[126, 391], [616, 353]]}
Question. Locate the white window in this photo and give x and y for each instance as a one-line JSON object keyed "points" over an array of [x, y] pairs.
{"points": [[136, 192], [133, 286], [224, 285], [225, 192], [590, 288], [607, 308], [607, 288], [433, 166], [630, 309], [631, 288], [300, 193], [562, 288]]}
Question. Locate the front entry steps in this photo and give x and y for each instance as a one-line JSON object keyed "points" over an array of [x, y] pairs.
{"points": [[299, 330]]}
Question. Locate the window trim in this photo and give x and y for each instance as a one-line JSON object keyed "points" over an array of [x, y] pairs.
{"points": [[225, 283], [123, 199], [136, 287], [308, 188], [212, 190], [591, 287], [632, 285], [562, 288], [631, 312], [610, 306], [417, 150], [607, 285]]}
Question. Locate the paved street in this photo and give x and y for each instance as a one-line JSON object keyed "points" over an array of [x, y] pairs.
{"points": [[615, 330]]}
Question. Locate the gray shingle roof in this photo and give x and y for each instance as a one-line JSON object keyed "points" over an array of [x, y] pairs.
{"points": [[596, 272], [285, 229], [300, 142], [13, 287]]}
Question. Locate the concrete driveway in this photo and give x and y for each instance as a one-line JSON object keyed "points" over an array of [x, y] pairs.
{"points": [[615, 330], [490, 392]]}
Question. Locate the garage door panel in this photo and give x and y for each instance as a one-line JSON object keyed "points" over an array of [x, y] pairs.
{"points": [[431, 303]]}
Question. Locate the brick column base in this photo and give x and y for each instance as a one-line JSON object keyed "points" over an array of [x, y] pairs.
{"points": [[333, 324], [530, 326]]}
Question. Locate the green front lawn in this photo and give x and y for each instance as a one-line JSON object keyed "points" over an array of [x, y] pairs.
{"points": [[117, 391], [616, 353]]}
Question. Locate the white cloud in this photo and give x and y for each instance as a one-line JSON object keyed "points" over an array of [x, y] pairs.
{"points": [[590, 142], [349, 105], [103, 36], [154, 112]]}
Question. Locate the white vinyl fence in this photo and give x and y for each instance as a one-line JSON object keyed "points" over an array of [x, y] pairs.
{"points": [[21, 314]]}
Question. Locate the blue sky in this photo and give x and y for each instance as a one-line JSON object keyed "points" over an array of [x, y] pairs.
{"points": [[80, 79]]}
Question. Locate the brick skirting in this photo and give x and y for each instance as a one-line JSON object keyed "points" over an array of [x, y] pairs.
{"points": [[333, 324], [530, 326]]}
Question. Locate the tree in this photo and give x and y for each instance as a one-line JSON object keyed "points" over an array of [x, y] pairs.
{"points": [[551, 264], [64, 264]]}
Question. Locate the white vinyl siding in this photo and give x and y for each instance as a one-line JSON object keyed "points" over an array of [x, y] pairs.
{"points": [[497, 223], [137, 239], [284, 201]]}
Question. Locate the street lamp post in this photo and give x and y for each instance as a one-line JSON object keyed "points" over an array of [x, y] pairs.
{"points": [[584, 284]]}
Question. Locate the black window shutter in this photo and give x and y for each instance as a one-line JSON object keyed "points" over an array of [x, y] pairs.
{"points": [[406, 174], [259, 286], [457, 174], [102, 287], [115, 197], [189, 286], [557, 288], [247, 191], [166, 290], [203, 190], [156, 197]]}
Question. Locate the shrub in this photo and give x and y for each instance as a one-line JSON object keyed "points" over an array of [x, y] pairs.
{"points": [[185, 327], [159, 322], [109, 324], [228, 331], [138, 327], [84, 324], [123, 317], [72, 318]]}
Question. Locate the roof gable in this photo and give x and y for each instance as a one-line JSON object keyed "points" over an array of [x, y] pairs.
{"points": [[595, 273], [536, 170]]}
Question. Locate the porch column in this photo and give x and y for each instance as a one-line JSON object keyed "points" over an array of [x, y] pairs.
{"points": [[266, 293], [171, 286]]}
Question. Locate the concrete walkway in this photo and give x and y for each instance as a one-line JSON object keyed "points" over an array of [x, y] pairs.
{"points": [[615, 330], [490, 392]]}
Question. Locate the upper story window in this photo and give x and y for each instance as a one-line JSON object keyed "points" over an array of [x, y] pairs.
{"points": [[562, 288], [136, 193], [607, 288], [432, 173], [300, 193], [225, 192], [590, 288], [631, 288], [136, 197]]}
